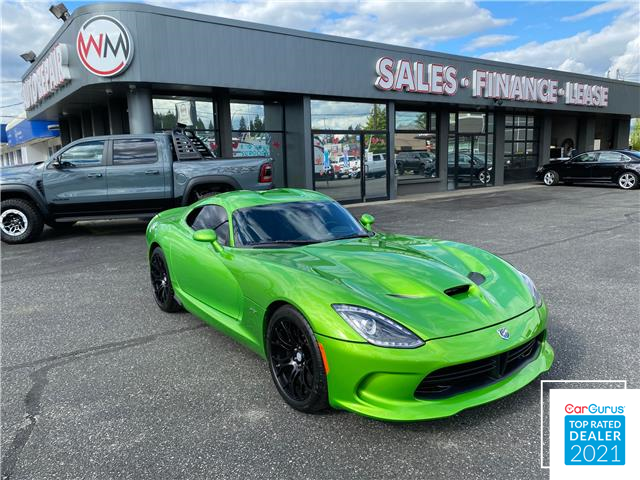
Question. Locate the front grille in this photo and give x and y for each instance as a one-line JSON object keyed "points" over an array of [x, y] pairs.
{"points": [[456, 379]]}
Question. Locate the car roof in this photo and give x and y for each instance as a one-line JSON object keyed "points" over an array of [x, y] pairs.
{"points": [[248, 198]]}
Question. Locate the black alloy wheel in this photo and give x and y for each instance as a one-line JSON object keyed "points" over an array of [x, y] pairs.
{"points": [[161, 283], [20, 221], [295, 361]]}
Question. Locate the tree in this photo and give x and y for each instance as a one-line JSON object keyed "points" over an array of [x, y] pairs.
{"points": [[422, 121], [258, 126], [243, 125], [377, 119], [634, 140], [210, 127]]}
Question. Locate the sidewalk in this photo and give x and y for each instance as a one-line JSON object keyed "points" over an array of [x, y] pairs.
{"points": [[451, 193]]}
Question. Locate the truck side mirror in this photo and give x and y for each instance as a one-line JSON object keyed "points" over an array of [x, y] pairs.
{"points": [[367, 221], [208, 236], [56, 163]]}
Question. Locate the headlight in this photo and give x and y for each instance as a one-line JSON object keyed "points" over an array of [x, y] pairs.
{"points": [[532, 288], [376, 328]]}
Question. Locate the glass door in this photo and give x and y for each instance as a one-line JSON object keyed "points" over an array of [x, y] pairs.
{"points": [[351, 167], [470, 154]]}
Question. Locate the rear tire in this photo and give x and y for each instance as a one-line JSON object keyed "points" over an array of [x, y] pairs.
{"points": [[551, 178], [20, 221], [161, 282], [628, 181], [295, 361]]}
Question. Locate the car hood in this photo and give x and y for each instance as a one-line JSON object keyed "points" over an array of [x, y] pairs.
{"points": [[19, 173], [410, 279]]}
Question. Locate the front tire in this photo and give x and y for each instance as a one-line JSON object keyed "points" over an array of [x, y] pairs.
{"points": [[161, 282], [551, 178], [20, 221], [628, 181], [295, 361]]}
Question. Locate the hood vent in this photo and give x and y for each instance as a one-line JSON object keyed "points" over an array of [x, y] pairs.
{"points": [[453, 291], [476, 278]]}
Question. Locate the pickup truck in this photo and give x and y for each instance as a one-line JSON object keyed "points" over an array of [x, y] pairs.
{"points": [[119, 176]]}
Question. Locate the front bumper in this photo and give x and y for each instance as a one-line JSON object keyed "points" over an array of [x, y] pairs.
{"points": [[381, 382]]}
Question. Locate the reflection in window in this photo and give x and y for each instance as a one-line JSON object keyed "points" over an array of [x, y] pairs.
{"points": [[134, 152], [331, 115], [257, 130], [416, 146], [87, 154], [197, 114]]}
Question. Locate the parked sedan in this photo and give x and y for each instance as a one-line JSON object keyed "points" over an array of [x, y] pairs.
{"points": [[621, 167]]}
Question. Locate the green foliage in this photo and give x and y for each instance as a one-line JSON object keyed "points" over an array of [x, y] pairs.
{"points": [[634, 140], [243, 124], [377, 119]]}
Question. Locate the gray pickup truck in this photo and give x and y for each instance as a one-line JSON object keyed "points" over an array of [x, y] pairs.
{"points": [[119, 176]]}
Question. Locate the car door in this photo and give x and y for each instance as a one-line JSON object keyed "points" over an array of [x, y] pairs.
{"points": [[608, 165], [75, 182], [579, 167], [136, 177], [199, 270]]}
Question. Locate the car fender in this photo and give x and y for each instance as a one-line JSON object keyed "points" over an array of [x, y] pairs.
{"points": [[206, 180], [26, 191]]}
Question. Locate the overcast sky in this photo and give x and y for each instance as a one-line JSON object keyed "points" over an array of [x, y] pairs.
{"points": [[583, 37]]}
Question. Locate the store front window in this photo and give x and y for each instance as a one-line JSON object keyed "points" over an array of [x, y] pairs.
{"points": [[520, 148], [350, 150], [416, 153], [257, 130], [198, 114], [470, 150]]}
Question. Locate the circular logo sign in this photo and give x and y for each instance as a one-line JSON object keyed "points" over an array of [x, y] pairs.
{"points": [[104, 46]]}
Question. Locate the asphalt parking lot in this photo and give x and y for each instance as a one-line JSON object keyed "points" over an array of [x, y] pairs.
{"points": [[98, 383]]}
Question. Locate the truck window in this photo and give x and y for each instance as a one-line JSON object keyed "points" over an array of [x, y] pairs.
{"points": [[134, 151], [87, 154]]}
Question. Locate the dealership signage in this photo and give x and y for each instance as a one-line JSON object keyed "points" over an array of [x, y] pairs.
{"points": [[51, 74], [433, 78], [104, 46]]}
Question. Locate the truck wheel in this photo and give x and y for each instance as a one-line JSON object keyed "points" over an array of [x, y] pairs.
{"points": [[20, 221]]}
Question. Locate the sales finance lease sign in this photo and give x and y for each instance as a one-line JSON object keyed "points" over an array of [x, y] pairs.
{"points": [[438, 79], [104, 46], [51, 74]]}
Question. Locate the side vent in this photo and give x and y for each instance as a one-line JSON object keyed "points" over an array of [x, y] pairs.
{"points": [[476, 278], [453, 291]]}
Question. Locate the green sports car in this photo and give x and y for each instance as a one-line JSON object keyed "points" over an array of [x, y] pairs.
{"points": [[389, 326]]}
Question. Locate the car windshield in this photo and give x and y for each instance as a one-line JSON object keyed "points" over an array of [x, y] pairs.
{"points": [[633, 153], [293, 224]]}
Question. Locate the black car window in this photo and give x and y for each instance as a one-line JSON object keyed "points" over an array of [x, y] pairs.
{"points": [[212, 217], [611, 157], [134, 151], [585, 157], [294, 223], [88, 154]]}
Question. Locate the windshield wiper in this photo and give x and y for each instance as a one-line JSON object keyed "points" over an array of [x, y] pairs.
{"points": [[356, 235]]}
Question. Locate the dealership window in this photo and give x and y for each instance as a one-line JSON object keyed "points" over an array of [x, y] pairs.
{"points": [[198, 114], [520, 147], [257, 130], [416, 153], [470, 150], [350, 149]]}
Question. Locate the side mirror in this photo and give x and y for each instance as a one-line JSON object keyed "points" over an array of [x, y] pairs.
{"points": [[56, 163], [208, 236], [367, 221]]}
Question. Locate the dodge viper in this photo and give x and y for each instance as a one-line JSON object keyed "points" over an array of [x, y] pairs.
{"points": [[393, 327]]}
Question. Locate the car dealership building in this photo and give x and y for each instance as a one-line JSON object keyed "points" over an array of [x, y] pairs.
{"points": [[354, 119]]}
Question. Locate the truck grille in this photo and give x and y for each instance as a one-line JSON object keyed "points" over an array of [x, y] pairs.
{"points": [[456, 379]]}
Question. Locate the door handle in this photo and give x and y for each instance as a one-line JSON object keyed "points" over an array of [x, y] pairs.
{"points": [[152, 172], [94, 175]]}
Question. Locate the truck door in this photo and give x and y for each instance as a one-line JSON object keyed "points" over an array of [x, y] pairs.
{"points": [[136, 176], [75, 181]]}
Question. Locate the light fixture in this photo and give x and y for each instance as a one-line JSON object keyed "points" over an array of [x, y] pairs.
{"points": [[59, 11], [29, 56]]}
